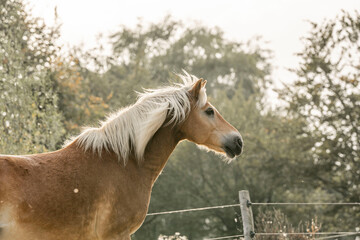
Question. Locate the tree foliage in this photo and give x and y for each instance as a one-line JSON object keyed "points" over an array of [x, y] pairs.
{"points": [[326, 95], [29, 117], [147, 56], [78, 88]]}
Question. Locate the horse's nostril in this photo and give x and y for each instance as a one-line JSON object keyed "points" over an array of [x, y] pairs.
{"points": [[239, 141]]}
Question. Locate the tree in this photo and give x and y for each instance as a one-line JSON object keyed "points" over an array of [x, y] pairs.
{"points": [[326, 95], [30, 120], [78, 88], [147, 56]]}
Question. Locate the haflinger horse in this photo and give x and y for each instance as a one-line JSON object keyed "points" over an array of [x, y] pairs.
{"points": [[99, 185]]}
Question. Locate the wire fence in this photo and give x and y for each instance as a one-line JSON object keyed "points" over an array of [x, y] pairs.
{"points": [[313, 203], [332, 234], [193, 209], [340, 235], [254, 204]]}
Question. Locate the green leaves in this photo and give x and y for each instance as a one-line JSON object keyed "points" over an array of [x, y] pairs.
{"points": [[326, 95], [30, 120]]}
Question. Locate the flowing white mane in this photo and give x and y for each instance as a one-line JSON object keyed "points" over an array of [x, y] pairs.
{"points": [[131, 128]]}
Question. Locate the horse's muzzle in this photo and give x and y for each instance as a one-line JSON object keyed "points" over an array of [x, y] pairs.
{"points": [[233, 146]]}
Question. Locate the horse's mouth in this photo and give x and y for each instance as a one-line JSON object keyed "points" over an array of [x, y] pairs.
{"points": [[232, 151], [229, 152]]}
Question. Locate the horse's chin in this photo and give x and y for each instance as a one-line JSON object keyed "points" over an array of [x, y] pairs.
{"points": [[227, 157]]}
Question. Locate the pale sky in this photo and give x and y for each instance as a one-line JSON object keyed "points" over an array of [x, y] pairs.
{"points": [[280, 22]]}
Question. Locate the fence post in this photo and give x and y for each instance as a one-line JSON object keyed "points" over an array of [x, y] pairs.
{"points": [[246, 214]]}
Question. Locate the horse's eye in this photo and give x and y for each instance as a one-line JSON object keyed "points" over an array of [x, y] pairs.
{"points": [[210, 112]]}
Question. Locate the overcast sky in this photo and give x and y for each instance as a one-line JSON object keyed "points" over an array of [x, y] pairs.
{"points": [[281, 22]]}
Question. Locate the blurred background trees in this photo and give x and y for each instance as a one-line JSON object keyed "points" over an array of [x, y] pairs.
{"points": [[326, 95], [306, 149], [30, 120]]}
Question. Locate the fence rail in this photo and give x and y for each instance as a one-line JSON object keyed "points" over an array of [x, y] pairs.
{"points": [[250, 234]]}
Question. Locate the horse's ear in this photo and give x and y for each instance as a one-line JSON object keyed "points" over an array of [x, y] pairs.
{"points": [[195, 90]]}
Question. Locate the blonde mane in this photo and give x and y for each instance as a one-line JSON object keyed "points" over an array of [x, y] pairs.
{"points": [[131, 128]]}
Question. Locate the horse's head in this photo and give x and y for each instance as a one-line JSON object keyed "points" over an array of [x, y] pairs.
{"points": [[206, 127]]}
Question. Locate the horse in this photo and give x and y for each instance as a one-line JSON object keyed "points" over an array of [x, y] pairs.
{"points": [[98, 186]]}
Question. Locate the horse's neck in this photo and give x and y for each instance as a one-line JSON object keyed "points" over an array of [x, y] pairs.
{"points": [[158, 151]]}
